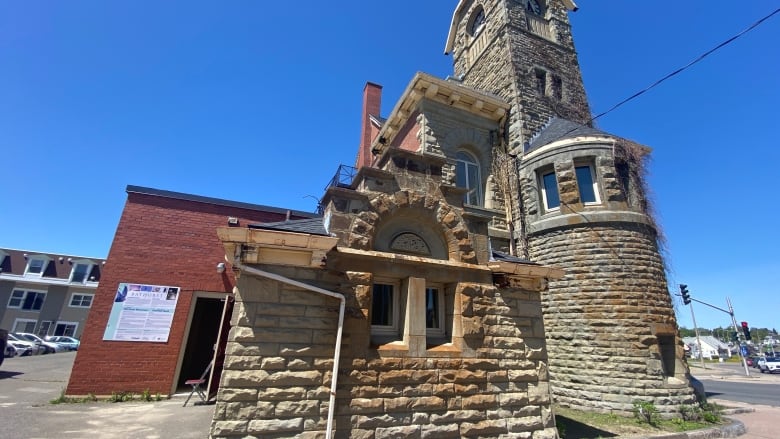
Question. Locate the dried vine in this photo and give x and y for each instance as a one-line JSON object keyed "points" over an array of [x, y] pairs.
{"points": [[505, 177]]}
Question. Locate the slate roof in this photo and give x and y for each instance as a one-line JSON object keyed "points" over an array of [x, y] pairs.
{"points": [[311, 226], [557, 129]]}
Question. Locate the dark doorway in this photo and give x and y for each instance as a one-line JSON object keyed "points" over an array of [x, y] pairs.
{"points": [[202, 339]]}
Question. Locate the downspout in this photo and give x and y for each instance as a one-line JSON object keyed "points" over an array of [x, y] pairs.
{"points": [[337, 353]]}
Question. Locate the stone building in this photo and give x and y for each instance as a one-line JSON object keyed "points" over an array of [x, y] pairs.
{"points": [[441, 333]]}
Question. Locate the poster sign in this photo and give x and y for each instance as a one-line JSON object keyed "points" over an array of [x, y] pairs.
{"points": [[142, 313]]}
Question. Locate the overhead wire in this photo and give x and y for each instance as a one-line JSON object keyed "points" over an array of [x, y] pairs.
{"points": [[674, 73]]}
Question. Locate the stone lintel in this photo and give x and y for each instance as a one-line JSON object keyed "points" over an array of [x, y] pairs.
{"points": [[386, 264], [525, 270], [274, 247]]}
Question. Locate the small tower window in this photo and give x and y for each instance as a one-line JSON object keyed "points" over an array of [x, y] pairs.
{"points": [[477, 21], [557, 88], [540, 77], [549, 186], [586, 182], [533, 7]]}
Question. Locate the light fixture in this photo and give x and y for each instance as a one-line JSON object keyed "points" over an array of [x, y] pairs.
{"points": [[221, 267], [62, 259], [70, 261]]}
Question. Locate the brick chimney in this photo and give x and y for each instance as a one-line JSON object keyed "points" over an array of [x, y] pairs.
{"points": [[372, 99]]}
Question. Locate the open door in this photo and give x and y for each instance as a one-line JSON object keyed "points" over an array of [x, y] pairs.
{"points": [[221, 346]]}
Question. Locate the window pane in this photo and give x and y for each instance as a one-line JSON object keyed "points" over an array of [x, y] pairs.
{"points": [[16, 299], [473, 179], [551, 190], [80, 272], [432, 307], [36, 266], [460, 174], [382, 305], [585, 183]]}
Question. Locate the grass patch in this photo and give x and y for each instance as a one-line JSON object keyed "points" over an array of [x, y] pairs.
{"points": [[145, 396], [62, 399], [576, 424]]}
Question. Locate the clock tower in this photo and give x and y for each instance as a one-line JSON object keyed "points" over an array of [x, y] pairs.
{"points": [[522, 51]]}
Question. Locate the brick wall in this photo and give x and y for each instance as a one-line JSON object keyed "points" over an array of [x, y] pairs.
{"points": [[159, 241]]}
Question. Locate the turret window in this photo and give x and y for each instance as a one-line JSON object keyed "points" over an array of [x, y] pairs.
{"points": [[549, 186], [586, 182]]}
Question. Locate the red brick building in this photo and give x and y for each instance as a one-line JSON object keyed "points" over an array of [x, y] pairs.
{"points": [[169, 239]]}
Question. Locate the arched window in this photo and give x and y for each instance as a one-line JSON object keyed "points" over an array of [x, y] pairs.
{"points": [[467, 176], [477, 21]]}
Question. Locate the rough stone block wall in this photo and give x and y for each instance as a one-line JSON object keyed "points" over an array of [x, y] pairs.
{"points": [[599, 318], [277, 375]]}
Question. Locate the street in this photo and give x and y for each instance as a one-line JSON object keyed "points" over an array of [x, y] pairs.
{"points": [[28, 384]]}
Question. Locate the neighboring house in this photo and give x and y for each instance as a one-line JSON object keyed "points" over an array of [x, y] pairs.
{"points": [[46, 293], [711, 347]]}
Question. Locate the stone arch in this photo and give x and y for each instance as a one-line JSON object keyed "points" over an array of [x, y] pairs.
{"points": [[438, 219]]}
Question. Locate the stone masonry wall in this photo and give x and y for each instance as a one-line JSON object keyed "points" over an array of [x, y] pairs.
{"points": [[600, 318], [280, 355]]}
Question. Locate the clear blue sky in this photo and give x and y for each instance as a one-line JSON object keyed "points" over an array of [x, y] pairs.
{"points": [[260, 101]]}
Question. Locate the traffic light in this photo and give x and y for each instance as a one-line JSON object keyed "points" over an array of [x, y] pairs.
{"points": [[686, 296], [746, 330], [734, 337]]}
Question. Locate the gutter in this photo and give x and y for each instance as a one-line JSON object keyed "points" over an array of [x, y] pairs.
{"points": [[337, 353]]}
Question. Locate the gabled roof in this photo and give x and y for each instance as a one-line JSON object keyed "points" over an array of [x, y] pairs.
{"points": [[560, 129], [311, 226]]}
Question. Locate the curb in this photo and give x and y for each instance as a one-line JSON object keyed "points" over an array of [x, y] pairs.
{"points": [[734, 428]]}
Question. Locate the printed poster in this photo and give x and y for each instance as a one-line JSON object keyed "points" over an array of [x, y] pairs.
{"points": [[142, 313]]}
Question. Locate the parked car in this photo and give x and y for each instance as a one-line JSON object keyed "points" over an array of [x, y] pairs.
{"points": [[771, 365], [18, 341], [67, 343], [17, 349], [48, 347]]}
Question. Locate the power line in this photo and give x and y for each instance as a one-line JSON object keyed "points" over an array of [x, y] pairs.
{"points": [[674, 73]]}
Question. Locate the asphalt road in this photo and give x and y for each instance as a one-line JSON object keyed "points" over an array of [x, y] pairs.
{"points": [[27, 385], [752, 393]]}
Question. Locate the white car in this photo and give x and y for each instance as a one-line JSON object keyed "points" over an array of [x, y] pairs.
{"points": [[24, 343], [17, 349], [48, 347], [67, 343], [771, 365]]}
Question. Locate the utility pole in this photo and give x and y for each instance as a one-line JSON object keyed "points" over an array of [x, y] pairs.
{"points": [[698, 338], [734, 323], [687, 299]]}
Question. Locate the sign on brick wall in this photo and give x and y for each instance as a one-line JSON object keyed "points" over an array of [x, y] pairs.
{"points": [[142, 313]]}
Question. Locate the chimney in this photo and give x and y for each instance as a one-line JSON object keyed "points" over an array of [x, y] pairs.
{"points": [[372, 99]]}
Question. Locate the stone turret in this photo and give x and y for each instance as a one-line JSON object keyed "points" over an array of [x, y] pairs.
{"points": [[610, 325]]}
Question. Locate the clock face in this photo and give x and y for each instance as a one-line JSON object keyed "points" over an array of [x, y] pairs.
{"points": [[533, 6]]}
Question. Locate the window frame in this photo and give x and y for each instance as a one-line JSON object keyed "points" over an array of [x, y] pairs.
{"points": [[83, 295], [48, 324], [89, 265], [394, 328], [543, 190], [23, 299], [469, 160], [477, 21], [30, 260], [439, 331], [75, 326], [594, 183], [25, 321]]}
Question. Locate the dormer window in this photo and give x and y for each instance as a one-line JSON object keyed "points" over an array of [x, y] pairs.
{"points": [[35, 266], [80, 272], [477, 21]]}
